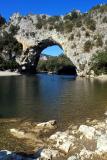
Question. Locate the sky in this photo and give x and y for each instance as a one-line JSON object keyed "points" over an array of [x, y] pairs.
{"points": [[53, 50], [51, 7]]}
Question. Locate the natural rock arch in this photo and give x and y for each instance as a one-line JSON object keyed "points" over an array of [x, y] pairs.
{"points": [[31, 55], [72, 36]]}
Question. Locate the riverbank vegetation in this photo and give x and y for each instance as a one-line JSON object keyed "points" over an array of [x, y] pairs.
{"points": [[99, 63], [10, 48], [58, 64]]}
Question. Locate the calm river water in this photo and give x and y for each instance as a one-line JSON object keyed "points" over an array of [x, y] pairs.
{"points": [[45, 97]]}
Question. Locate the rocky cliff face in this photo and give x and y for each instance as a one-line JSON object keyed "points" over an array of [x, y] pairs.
{"points": [[80, 36]]}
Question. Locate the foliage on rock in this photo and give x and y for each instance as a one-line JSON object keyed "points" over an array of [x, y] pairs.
{"points": [[10, 48], [99, 62], [54, 63], [2, 21], [88, 46]]}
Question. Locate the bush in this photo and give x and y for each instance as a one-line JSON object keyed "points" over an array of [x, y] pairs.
{"points": [[10, 45], [11, 64], [90, 23], [87, 34], [32, 34], [68, 26], [1, 60], [88, 46], [42, 65], [99, 62], [51, 27], [99, 41], [39, 25], [78, 34], [53, 19], [2, 21], [79, 23], [71, 37], [100, 8], [59, 27], [103, 8], [67, 17], [105, 19], [54, 63], [44, 17], [13, 29], [83, 28]]}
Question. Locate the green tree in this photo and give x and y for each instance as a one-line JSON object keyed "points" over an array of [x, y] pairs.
{"points": [[13, 29], [88, 46], [2, 21], [54, 63], [99, 62], [90, 23]]}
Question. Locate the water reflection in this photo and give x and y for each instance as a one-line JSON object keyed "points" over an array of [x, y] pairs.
{"points": [[45, 97]]}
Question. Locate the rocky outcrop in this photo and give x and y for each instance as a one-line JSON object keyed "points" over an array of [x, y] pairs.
{"points": [[78, 142], [79, 35]]}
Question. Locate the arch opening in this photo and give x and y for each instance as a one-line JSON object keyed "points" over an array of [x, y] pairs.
{"points": [[53, 60], [53, 51], [48, 56]]}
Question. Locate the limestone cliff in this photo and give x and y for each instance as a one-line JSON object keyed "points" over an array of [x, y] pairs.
{"points": [[79, 34]]}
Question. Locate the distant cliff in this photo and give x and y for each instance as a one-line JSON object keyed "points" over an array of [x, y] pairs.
{"points": [[80, 35]]}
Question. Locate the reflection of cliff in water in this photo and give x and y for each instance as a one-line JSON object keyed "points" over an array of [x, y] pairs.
{"points": [[67, 70], [43, 97]]}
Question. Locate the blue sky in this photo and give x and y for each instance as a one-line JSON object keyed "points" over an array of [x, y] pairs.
{"points": [[51, 7], [54, 50]]}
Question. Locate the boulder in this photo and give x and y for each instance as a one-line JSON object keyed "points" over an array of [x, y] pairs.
{"points": [[85, 154], [48, 154], [50, 124], [87, 131], [102, 143], [63, 141], [17, 133], [73, 158]]}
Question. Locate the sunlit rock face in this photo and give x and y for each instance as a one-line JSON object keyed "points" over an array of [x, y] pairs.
{"points": [[70, 32]]}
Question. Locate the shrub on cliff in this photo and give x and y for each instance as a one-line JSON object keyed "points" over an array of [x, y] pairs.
{"points": [[10, 44], [53, 19], [68, 26], [2, 21], [105, 19], [11, 65], [59, 26], [71, 37], [87, 34], [72, 16], [99, 62], [99, 8], [79, 23], [13, 29], [88, 46], [99, 41], [39, 25], [90, 23], [72, 19]]}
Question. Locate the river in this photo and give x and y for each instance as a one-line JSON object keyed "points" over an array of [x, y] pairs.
{"points": [[44, 97]]}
